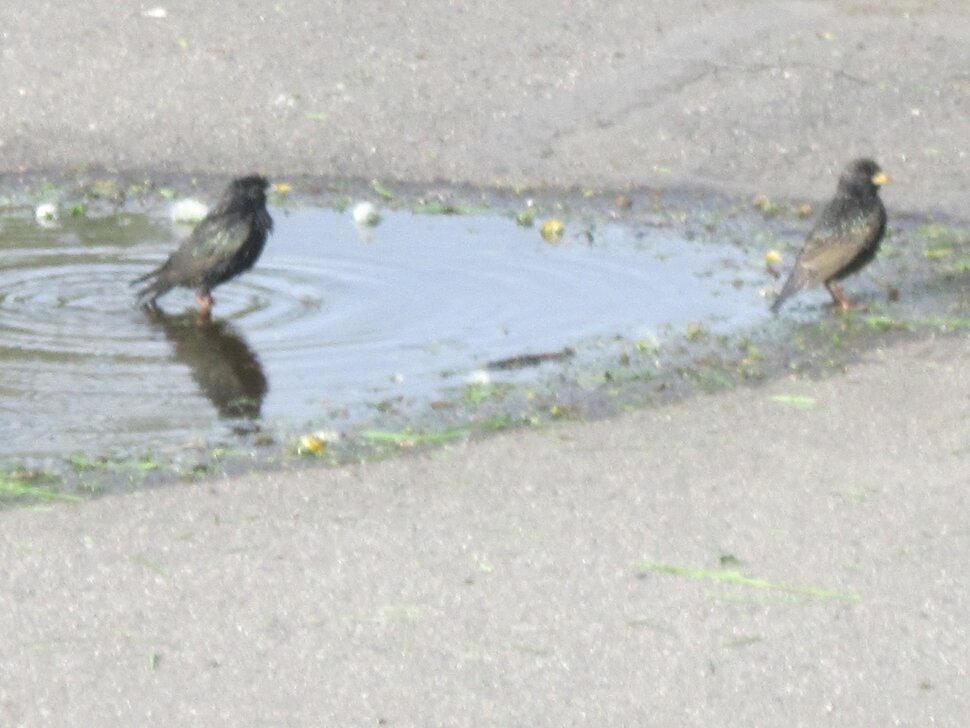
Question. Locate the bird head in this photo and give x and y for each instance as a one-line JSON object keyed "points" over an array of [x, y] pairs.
{"points": [[251, 188], [863, 175]]}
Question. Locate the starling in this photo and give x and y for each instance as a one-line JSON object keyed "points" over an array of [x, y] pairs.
{"points": [[225, 243], [846, 236]]}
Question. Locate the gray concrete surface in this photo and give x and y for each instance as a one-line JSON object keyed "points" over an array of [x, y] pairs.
{"points": [[497, 583], [763, 97]]}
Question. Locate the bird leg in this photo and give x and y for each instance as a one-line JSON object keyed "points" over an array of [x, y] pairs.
{"points": [[840, 299], [205, 301]]}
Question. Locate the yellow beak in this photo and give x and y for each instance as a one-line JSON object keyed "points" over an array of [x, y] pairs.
{"points": [[880, 178]]}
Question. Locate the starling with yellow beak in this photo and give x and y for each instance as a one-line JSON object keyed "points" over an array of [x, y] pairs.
{"points": [[846, 236]]}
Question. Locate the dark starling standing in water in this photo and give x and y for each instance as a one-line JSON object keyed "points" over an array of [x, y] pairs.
{"points": [[225, 243], [846, 236]]}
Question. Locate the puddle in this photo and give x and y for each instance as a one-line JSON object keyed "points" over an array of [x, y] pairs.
{"points": [[331, 325], [331, 319]]}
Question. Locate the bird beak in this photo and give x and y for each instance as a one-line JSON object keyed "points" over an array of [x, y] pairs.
{"points": [[880, 178], [282, 188]]}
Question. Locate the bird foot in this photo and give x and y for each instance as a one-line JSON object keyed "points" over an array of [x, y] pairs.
{"points": [[841, 300], [845, 306], [206, 302]]}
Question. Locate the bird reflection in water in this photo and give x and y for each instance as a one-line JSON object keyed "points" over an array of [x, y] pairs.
{"points": [[227, 371]]}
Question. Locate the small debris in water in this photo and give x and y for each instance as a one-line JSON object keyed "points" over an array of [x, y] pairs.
{"points": [[479, 377], [381, 190], [773, 258], [765, 206], [530, 360], [366, 215], [46, 214], [552, 230], [696, 331], [311, 445], [188, 211]]}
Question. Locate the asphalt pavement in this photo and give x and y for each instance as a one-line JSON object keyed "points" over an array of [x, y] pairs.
{"points": [[793, 554]]}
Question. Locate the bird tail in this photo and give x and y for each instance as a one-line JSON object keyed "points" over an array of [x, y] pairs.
{"points": [[778, 302], [142, 279], [155, 287], [796, 282]]}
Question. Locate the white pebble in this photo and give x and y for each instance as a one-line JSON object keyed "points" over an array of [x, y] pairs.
{"points": [[188, 210], [478, 376], [46, 214], [328, 435], [365, 213]]}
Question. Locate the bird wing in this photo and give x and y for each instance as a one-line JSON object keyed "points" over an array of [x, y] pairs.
{"points": [[825, 255], [213, 244], [831, 247]]}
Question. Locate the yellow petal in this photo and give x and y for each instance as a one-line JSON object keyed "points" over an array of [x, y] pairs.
{"points": [[552, 230], [311, 444]]}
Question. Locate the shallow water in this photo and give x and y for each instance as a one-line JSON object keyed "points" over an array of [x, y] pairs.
{"points": [[331, 321]]}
